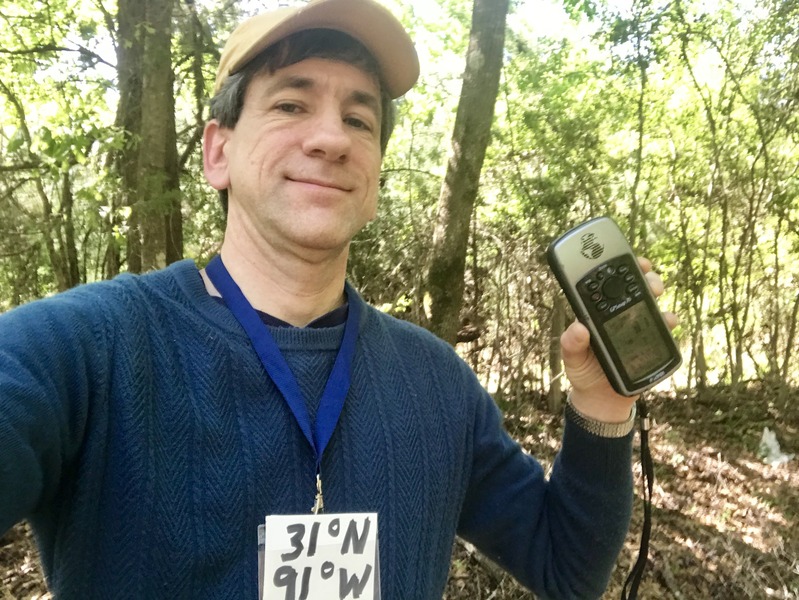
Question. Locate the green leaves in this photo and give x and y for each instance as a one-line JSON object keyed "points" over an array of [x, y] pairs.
{"points": [[16, 142], [681, 114], [579, 9]]}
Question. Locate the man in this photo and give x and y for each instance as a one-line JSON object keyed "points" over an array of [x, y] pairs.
{"points": [[148, 424]]}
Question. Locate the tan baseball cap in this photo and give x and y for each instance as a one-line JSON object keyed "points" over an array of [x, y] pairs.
{"points": [[365, 20]]}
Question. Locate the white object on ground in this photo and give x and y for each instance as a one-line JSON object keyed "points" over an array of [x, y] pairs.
{"points": [[770, 451]]}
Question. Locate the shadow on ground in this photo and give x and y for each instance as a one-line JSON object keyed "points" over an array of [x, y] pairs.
{"points": [[726, 525]]}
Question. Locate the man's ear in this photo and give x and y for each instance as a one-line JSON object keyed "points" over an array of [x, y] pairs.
{"points": [[215, 162]]}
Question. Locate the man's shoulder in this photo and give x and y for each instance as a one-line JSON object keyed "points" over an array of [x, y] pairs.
{"points": [[120, 294], [407, 329], [412, 339], [179, 277], [424, 363]]}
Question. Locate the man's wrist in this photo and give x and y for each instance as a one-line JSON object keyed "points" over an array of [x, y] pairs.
{"points": [[604, 405], [600, 428]]}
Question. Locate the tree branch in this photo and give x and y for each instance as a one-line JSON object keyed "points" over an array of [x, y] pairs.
{"points": [[45, 48], [26, 166]]}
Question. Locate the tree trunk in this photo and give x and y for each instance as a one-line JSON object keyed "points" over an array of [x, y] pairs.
{"points": [[130, 52], [70, 247], [60, 254], [558, 326], [149, 163], [643, 65], [158, 191], [789, 341], [445, 280]]}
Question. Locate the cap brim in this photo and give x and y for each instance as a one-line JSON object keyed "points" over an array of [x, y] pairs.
{"points": [[368, 22]]}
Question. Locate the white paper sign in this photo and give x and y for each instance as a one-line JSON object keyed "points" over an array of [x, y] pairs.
{"points": [[321, 557]]}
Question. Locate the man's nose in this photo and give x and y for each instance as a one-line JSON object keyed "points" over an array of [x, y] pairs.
{"points": [[327, 137]]}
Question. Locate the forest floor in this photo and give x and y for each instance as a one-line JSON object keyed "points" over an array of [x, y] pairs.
{"points": [[725, 525]]}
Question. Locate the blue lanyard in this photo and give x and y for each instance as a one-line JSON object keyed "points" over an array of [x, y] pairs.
{"points": [[338, 383]]}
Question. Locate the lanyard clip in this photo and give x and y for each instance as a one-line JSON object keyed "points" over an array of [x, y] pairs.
{"points": [[319, 502]]}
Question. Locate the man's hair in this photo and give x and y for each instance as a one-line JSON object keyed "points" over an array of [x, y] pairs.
{"points": [[227, 104]]}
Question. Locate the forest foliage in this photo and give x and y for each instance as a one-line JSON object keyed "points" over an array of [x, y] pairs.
{"points": [[678, 118]]}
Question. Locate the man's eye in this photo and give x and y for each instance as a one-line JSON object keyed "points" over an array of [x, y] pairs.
{"points": [[358, 123], [288, 107]]}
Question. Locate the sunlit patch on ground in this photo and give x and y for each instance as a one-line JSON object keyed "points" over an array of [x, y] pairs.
{"points": [[726, 525]]}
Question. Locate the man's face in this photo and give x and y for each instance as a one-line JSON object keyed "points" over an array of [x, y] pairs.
{"points": [[302, 164]]}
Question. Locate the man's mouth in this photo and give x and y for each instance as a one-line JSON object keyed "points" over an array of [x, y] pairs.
{"points": [[321, 183]]}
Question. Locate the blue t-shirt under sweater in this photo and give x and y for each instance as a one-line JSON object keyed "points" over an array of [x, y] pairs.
{"points": [[141, 437]]}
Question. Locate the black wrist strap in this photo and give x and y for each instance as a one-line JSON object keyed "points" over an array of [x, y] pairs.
{"points": [[630, 590]]}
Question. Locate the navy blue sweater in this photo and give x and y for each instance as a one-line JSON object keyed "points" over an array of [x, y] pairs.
{"points": [[143, 440]]}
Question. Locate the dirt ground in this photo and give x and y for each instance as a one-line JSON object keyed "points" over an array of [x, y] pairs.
{"points": [[725, 525]]}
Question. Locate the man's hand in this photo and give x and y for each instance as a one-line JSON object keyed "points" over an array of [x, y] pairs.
{"points": [[592, 394]]}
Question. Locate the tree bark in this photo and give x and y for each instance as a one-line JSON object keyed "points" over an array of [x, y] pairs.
{"points": [[69, 244], [149, 163], [643, 65], [445, 279], [158, 190], [557, 327], [130, 51]]}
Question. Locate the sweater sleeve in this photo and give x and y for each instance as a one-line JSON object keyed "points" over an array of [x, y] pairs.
{"points": [[50, 365], [560, 537]]}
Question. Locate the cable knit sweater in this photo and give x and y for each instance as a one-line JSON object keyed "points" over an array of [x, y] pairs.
{"points": [[143, 440]]}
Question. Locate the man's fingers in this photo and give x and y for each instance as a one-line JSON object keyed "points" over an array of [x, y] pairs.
{"points": [[653, 279], [575, 344], [672, 320], [655, 283]]}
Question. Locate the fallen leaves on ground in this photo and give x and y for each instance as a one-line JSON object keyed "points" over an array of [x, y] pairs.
{"points": [[725, 525]]}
